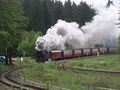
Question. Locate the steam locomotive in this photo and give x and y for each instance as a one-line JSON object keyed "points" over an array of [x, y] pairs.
{"points": [[42, 56]]}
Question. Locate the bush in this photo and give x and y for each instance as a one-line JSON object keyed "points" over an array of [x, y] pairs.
{"points": [[27, 46]]}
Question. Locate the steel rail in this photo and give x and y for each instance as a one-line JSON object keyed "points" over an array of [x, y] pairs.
{"points": [[8, 78]]}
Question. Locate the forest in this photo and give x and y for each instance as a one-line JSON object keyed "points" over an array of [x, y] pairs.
{"points": [[22, 21], [42, 14]]}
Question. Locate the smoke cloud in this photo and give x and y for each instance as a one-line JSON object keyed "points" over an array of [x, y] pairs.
{"points": [[64, 35], [102, 30]]}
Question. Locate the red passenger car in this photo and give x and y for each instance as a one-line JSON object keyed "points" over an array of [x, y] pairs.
{"points": [[56, 55]]}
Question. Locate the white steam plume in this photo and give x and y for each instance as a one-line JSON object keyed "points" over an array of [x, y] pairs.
{"points": [[61, 34], [102, 30]]}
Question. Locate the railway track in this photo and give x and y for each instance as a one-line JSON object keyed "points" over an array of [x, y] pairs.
{"points": [[11, 79], [65, 64], [8, 78]]}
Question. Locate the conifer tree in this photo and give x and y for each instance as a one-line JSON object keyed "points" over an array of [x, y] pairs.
{"points": [[68, 10], [85, 13], [45, 13], [58, 11]]}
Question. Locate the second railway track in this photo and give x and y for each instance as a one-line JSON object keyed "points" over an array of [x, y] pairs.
{"points": [[9, 79], [65, 64]]}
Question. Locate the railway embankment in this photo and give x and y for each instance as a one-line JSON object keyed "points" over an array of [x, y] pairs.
{"points": [[73, 78], [67, 75], [10, 78]]}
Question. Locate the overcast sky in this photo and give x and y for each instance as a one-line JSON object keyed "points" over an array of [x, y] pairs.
{"points": [[98, 4]]}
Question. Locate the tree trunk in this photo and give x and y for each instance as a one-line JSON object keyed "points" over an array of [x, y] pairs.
{"points": [[6, 57], [9, 56], [10, 60]]}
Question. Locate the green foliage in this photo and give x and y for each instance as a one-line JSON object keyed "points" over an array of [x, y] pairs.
{"points": [[68, 46], [52, 75], [98, 45], [4, 37], [85, 13], [27, 46], [43, 14], [12, 22], [107, 62]]}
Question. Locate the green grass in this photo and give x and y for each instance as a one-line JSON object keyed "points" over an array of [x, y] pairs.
{"points": [[4, 87], [3, 68], [106, 62], [51, 74]]}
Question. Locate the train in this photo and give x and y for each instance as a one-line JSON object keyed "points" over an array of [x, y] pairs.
{"points": [[42, 56]]}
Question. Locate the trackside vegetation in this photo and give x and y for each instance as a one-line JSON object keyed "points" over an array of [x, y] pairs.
{"points": [[3, 68], [52, 75], [105, 62], [22, 21], [27, 45]]}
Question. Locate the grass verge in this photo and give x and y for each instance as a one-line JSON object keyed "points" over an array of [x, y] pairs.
{"points": [[106, 62], [51, 74]]}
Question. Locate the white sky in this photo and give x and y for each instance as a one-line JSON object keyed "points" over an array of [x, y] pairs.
{"points": [[98, 4]]}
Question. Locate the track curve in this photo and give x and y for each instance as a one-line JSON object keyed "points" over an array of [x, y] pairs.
{"points": [[8, 78], [65, 64]]}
